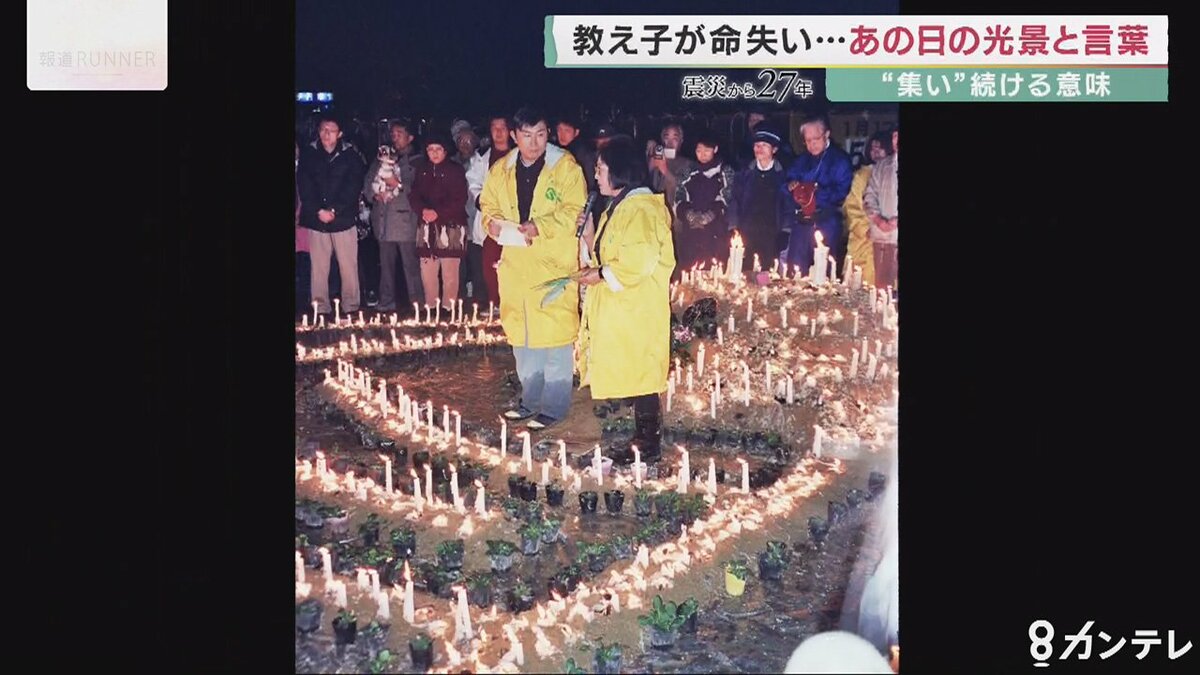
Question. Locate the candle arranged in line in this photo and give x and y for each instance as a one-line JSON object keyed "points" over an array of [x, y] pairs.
{"points": [[337, 312], [384, 610], [503, 438], [457, 428], [637, 467], [562, 458], [387, 474], [417, 489], [854, 363], [409, 609], [855, 333], [299, 567], [429, 484], [712, 476], [480, 506], [598, 466], [546, 471], [745, 475], [817, 432], [527, 451], [685, 471]]}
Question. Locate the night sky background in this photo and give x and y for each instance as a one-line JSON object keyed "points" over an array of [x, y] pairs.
{"points": [[469, 59]]}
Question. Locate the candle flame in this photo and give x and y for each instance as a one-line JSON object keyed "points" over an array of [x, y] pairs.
{"points": [[819, 237], [736, 240], [407, 573]]}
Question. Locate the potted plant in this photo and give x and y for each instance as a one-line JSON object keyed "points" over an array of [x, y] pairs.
{"points": [[421, 649], [520, 597], [622, 547], [375, 558], [607, 658], [571, 668], [532, 513], [689, 610], [511, 506], [308, 616], [666, 504], [437, 582], [720, 472], [336, 518], [817, 529], [529, 491], [450, 554], [771, 561], [374, 637], [479, 589], [837, 512], [382, 661], [550, 529], [419, 459], [404, 542], [594, 555], [369, 530], [855, 498], [514, 485], [735, 577], [643, 503], [531, 538], [345, 627], [693, 507], [661, 626], [613, 500], [501, 554], [587, 501], [567, 579], [554, 494]]}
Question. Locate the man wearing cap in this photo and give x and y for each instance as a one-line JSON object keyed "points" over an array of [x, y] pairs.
{"points": [[822, 175], [530, 203], [759, 207]]}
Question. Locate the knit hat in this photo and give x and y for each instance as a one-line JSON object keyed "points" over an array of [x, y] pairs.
{"points": [[766, 135]]}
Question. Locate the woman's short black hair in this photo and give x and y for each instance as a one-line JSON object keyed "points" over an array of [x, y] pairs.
{"points": [[626, 163]]}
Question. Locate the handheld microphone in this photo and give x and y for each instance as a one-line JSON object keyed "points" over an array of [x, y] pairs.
{"points": [[587, 208]]}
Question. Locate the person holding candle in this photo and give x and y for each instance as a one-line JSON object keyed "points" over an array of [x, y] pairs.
{"points": [[625, 339], [438, 197], [759, 207], [818, 183], [538, 191], [881, 202]]}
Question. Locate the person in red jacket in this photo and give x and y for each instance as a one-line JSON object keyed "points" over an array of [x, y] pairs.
{"points": [[439, 197]]}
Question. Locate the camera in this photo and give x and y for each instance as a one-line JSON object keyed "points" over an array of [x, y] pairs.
{"points": [[659, 152]]}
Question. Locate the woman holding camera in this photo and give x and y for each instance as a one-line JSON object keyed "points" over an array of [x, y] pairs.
{"points": [[625, 336]]}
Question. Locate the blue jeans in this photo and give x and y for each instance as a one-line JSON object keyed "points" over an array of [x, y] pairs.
{"points": [[546, 378]]}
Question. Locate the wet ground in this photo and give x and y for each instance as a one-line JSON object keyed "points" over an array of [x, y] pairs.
{"points": [[755, 632]]}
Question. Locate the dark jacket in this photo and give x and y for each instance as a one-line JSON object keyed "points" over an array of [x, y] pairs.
{"points": [[395, 220], [832, 173], [329, 181], [442, 188], [760, 237]]}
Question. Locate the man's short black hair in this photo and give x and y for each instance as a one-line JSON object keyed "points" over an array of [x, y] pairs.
{"points": [[626, 163], [501, 116], [570, 120], [708, 139], [528, 117], [402, 123], [330, 116]]}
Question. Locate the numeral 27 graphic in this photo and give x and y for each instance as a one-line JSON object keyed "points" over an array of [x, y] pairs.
{"points": [[772, 76]]}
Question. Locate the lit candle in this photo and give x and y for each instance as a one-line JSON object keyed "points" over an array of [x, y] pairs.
{"points": [[749, 308], [731, 324], [337, 311], [783, 316], [817, 431], [299, 567], [480, 508], [454, 485], [878, 348], [503, 438], [457, 428], [637, 471], [460, 312], [409, 611], [546, 471], [428, 314], [387, 474], [685, 470], [745, 475], [864, 348], [385, 611], [360, 317], [320, 321], [700, 361], [475, 313], [855, 333], [678, 369], [562, 458], [429, 484], [832, 269], [340, 588], [597, 466], [790, 393], [446, 420], [853, 363], [416, 313], [491, 310], [527, 452], [462, 618], [871, 365], [720, 337], [812, 332], [713, 404], [689, 378], [820, 259], [429, 416]]}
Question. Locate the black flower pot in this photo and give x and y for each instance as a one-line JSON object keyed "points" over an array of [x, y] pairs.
{"points": [[514, 485], [550, 534], [480, 597], [520, 602], [406, 546], [597, 563], [875, 483], [720, 475], [838, 512], [453, 559], [308, 616], [501, 563], [554, 495], [512, 510], [370, 536], [422, 658], [613, 501], [661, 639], [531, 545], [609, 666], [557, 584], [689, 626], [643, 505], [344, 632], [855, 498], [529, 491], [587, 501], [419, 459], [768, 569], [817, 529], [622, 550]]}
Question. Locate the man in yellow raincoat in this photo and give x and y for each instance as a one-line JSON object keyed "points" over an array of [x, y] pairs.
{"points": [[530, 202], [626, 337], [857, 224]]}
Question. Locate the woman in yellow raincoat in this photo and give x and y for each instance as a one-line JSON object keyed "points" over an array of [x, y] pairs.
{"points": [[859, 244], [625, 338]]}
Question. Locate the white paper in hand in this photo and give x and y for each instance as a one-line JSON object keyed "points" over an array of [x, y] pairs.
{"points": [[510, 234]]}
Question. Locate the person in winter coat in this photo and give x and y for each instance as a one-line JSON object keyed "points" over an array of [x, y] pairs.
{"points": [[484, 250], [393, 219], [530, 203], [858, 244], [329, 179], [759, 206], [828, 167], [701, 229], [882, 205], [625, 339], [439, 197]]}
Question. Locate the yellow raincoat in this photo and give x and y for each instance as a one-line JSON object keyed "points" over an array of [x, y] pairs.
{"points": [[626, 338], [558, 198], [859, 245]]}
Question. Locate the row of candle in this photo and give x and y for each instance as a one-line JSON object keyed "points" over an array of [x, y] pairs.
{"points": [[353, 346], [432, 315]]}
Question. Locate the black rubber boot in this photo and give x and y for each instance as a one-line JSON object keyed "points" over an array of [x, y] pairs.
{"points": [[647, 417]]}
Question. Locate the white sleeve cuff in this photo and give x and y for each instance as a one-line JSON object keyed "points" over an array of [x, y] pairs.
{"points": [[610, 277]]}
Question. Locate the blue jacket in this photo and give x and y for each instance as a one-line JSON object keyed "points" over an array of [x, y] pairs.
{"points": [[832, 172], [737, 214]]}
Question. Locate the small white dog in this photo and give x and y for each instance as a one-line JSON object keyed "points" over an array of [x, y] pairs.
{"points": [[387, 169]]}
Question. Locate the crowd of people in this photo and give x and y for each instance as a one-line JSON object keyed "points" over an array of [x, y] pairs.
{"points": [[537, 205]]}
